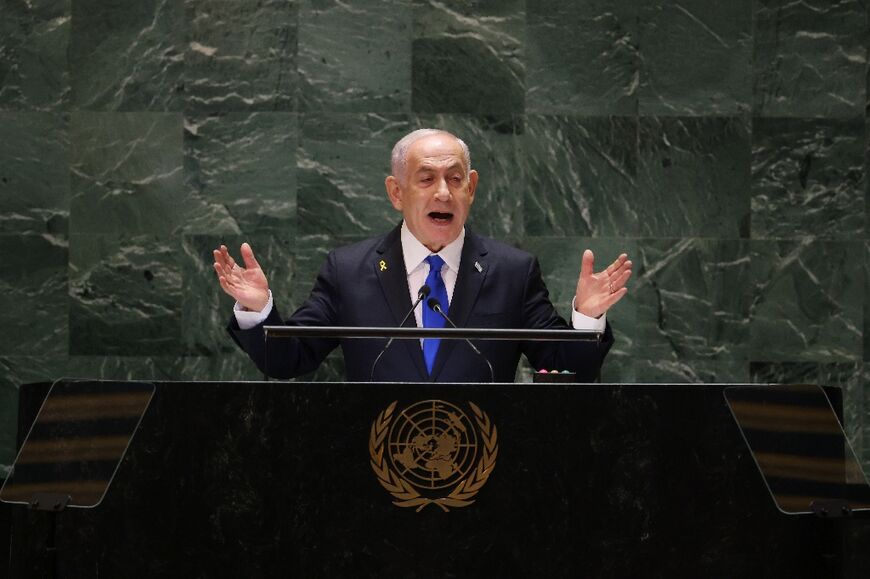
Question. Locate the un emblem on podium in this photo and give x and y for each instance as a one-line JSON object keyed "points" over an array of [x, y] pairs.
{"points": [[433, 453]]}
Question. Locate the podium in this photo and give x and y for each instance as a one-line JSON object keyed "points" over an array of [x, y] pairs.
{"points": [[268, 479]]}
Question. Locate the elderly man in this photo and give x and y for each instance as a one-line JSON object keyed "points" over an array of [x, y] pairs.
{"points": [[479, 282]]}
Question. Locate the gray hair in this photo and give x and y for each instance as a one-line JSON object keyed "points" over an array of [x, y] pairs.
{"points": [[399, 158]]}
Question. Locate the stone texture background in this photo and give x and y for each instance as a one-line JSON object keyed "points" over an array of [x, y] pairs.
{"points": [[723, 145]]}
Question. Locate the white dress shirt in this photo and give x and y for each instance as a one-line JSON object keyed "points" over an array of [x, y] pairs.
{"points": [[415, 254]]}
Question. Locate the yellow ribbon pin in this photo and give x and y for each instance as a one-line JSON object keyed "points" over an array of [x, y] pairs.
{"points": [[383, 265]]}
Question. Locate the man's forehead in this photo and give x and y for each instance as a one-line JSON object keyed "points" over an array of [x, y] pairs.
{"points": [[443, 162], [436, 151]]}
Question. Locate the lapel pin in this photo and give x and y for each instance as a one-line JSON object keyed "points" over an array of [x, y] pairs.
{"points": [[478, 267], [383, 265]]}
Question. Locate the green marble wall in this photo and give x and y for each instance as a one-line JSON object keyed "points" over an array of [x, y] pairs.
{"points": [[723, 145]]}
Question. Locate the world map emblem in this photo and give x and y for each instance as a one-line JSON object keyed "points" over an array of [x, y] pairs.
{"points": [[433, 453]]}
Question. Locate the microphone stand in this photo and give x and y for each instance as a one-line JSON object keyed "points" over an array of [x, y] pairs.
{"points": [[435, 305], [421, 295]]}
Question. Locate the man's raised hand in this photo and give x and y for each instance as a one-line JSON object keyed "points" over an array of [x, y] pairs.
{"points": [[597, 292], [247, 285]]}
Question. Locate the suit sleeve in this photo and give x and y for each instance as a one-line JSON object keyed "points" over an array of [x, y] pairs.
{"points": [[290, 357], [583, 358]]}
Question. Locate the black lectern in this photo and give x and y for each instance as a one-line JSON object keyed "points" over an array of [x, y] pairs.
{"points": [[306, 480]]}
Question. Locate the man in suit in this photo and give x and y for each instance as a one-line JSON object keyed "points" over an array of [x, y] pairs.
{"points": [[479, 282]]}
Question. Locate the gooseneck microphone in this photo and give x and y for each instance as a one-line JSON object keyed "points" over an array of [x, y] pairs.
{"points": [[424, 291], [435, 305]]}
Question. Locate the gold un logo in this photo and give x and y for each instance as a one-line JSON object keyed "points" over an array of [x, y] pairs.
{"points": [[432, 453]]}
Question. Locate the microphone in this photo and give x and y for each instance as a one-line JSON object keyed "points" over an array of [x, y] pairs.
{"points": [[435, 305], [424, 291]]}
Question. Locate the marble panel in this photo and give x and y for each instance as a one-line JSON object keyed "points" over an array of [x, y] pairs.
{"points": [[496, 146], [696, 57], [34, 71], [693, 176], [118, 368], [126, 175], [581, 176], [240, 56], [850, 377], [342, 162], [126, 56], [467, 57], [619, 176], [125, 295], [205, 308], [619, 368], [807, 301], [582, 58], [233, 365], [693, 297], [34, 173], [560, 264], [809, 58], [808, 178], [33, 290], [355, 57], [687, 371], [242, 169]]}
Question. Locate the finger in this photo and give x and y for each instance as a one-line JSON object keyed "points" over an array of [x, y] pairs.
{"points": [[220, 256], [617, 263], [621, 267], [614, 297], [619, 281], [224, 282], [228, 261], [223, 271], [248, 257], [586, 264]]}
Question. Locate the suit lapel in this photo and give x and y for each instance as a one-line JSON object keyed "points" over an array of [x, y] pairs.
{"points": [[472, 273], [390, 271]]}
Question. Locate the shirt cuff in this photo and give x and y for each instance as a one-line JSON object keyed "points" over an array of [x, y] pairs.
{"points": [[585, 323], [248, 319]]}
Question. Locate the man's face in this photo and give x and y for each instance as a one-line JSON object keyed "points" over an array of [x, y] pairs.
{"points": [[436, 191]]}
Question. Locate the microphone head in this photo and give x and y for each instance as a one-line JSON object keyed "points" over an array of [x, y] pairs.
{"points": [[434, 304], [425, 290]]}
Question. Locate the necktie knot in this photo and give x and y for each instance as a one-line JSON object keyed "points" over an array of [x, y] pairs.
{"points": [[435, 263]]}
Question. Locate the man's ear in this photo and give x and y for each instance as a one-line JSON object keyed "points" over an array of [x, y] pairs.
{"points": [[394, 192], [472, 183]]}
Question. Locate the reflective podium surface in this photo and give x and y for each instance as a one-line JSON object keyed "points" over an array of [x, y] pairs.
{"points": [[421, 480]]}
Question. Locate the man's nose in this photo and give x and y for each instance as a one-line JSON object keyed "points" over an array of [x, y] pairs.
{"points": [[443, 192]]}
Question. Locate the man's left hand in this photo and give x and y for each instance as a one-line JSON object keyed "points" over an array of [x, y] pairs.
{"points": [[597, 292]]}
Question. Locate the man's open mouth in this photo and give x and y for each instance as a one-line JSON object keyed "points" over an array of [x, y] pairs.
{"points": [[440, 218]]}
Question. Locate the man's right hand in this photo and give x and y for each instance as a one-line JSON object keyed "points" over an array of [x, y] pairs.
{"points": [[247, 285]]}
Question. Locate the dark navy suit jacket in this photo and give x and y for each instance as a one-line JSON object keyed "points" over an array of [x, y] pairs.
{"points": [[352, 289]]}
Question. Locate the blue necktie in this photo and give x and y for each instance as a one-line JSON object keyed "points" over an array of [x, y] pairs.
{"points": [[431, 318]]}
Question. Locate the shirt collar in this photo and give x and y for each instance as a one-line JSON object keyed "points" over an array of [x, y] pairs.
{"points": [[415, 252]]}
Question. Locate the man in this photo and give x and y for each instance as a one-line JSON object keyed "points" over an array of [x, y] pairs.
{"points": [[479, 282]]}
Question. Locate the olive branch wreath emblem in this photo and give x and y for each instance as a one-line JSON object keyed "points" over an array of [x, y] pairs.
{"points": [[405, 494]]}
